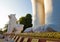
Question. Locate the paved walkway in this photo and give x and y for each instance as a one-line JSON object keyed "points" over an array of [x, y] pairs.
{"points": [[1, 40]]}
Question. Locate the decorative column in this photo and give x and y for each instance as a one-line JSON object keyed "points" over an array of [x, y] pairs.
{"points": [[36, 22], [52, 13], [38, 13], [41, 11]]}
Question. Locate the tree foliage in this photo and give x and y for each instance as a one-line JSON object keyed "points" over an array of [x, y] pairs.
{"points": [[26, 21], [1, 32], [5, 27]]}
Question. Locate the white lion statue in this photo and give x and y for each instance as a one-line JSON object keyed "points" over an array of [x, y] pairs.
{"points": [[12, 24]]}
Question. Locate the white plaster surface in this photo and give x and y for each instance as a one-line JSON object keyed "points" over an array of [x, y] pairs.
{"points": [[52, 13]]}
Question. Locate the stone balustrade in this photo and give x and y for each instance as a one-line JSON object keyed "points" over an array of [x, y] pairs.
{"points": [[49, 36]]}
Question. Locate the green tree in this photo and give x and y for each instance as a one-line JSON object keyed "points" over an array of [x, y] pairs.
{"points": [[26, 21], [5, 27], [1, 32], [22, 20], [29, 20]]}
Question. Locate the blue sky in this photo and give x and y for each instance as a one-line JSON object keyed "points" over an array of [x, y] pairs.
{"points": [[18, 7]]}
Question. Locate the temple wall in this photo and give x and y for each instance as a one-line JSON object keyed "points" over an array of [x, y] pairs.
{"points": [[52, 13]]}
